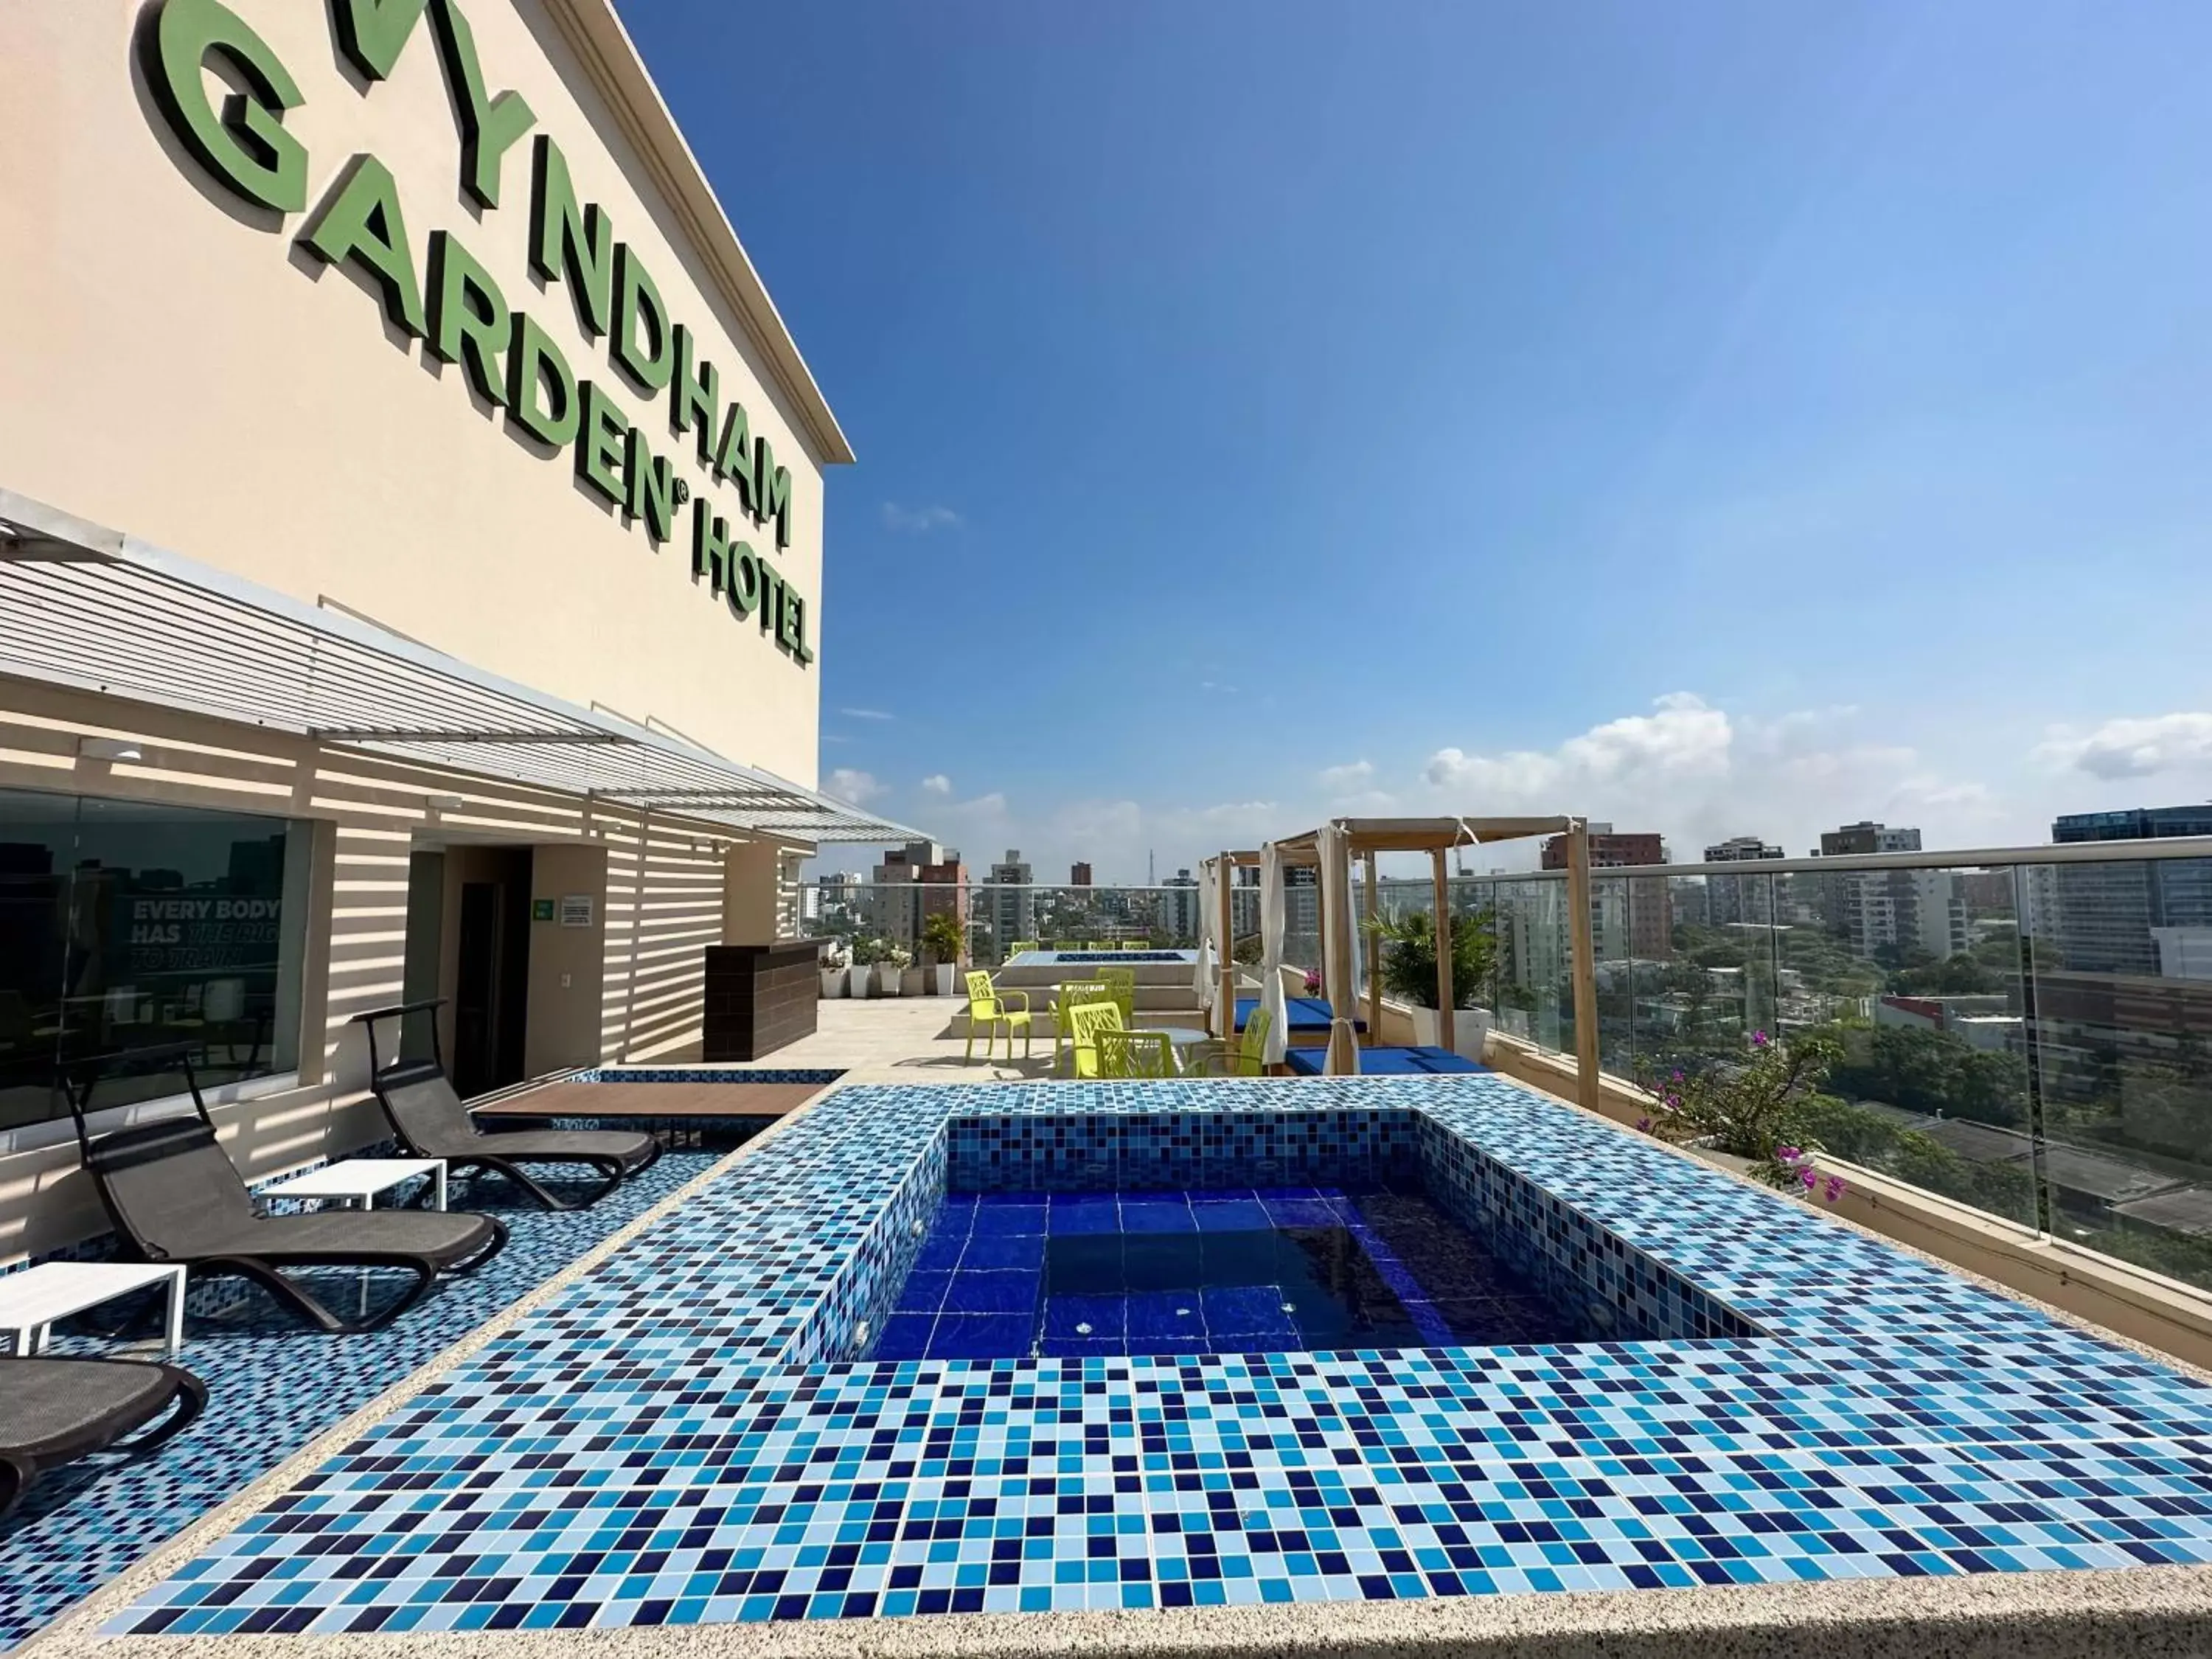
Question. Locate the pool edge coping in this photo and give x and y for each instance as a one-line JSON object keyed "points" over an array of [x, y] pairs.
{"points": [[2147, 1612]]}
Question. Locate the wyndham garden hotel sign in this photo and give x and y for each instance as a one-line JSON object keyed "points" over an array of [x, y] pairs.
{"points": [[452, 303]]}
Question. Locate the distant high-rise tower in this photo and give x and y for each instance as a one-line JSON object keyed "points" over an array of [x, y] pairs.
{"points": [[1910, 910], [1014, 912], [2107, 911], [1764, 900], [1628, 919]]}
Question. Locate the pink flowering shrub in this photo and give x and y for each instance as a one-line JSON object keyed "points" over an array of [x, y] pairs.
{"points": [[1754, 1108]]}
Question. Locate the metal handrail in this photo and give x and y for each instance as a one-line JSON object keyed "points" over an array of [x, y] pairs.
{"points": [[2072, 852]]}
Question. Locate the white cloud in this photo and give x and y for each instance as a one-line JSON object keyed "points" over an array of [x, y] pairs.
{"points": [[936, 784], [868, 713], [1688, 766], [848, 783], [1698, 775], [919, 521], [1350, 791], [2133, 747], [1684, 738]]}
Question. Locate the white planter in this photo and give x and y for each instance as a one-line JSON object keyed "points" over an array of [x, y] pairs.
{"points": [[913, 982], [861, 977], [1470, 1028], [887, 979], [833, 983], [1470, 1031], [948, 980]]}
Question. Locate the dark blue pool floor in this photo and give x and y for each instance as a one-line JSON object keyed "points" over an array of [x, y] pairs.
{"points": [[1014, 1275]]}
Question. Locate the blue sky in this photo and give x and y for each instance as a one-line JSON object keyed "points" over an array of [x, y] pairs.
{"points": [[1722, 418]]}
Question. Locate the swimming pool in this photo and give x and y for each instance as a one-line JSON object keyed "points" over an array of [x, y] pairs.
{"points": [[679, 1436], [1219, 1270], [1102, 958]]}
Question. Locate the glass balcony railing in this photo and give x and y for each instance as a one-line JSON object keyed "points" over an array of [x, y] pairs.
{"points": [[2031, 1037]]}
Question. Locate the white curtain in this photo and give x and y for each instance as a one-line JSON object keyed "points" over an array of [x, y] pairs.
{"points": [[1339, 949], [1272, 995], [1209, 924]]}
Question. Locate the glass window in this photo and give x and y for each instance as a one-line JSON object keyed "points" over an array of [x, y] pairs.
{"points": [[124, 925]]}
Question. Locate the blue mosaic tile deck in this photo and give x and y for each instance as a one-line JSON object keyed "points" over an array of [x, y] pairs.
{"points": [[677, 1438], [271, 1390]]}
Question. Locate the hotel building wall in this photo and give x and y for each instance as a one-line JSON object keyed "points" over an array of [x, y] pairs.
{"points": [[181, 370]]}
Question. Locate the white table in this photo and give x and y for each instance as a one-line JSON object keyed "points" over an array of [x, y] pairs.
{"points": [[359, 1180], [32, 1300], [1181, 1039]]}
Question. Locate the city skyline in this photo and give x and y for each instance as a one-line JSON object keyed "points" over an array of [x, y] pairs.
{"points": [[1128, 824]]}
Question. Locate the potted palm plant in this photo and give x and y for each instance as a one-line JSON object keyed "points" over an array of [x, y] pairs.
{"points": [[1409, 975], [941, 937]]}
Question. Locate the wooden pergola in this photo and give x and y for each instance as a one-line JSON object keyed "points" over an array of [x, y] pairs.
{"points": [[1366, 839]]}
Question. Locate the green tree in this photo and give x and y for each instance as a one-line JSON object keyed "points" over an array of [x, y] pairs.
{"points": [[1962, 975], [1931, 1071]]}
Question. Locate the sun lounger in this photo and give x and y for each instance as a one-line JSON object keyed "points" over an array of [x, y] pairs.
{"points": [[55, 1410], [428, 1116], [174, 1196]]}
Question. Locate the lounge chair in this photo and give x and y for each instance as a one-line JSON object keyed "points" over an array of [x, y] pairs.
{"points": [[55, 1410], [429, 1119], [174, 1196]]}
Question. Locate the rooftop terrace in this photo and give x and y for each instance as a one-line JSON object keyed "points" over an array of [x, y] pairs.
{"points": [[1782, 1422]]}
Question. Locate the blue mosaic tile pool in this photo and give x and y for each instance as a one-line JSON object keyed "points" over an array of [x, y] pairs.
{"points": [[674, 1440], [271, 1388], [1224, 1270]]}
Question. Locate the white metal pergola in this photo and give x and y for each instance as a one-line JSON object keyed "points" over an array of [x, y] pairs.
{"points": [[99, 610]]}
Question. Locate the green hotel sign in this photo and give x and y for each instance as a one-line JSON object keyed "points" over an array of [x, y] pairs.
{"points": [[456, 307]]}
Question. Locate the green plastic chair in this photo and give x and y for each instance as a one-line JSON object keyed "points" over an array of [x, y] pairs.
{"points": [[1134, 1054], [1066, 945], [1122, 981], [1135, 944], [1248, 1059], [1090, 1028], [987, 1002], [1020, 945], [1073, 993]]}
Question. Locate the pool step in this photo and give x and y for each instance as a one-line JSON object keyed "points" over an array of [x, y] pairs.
{"points": [[1169, 975]]}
